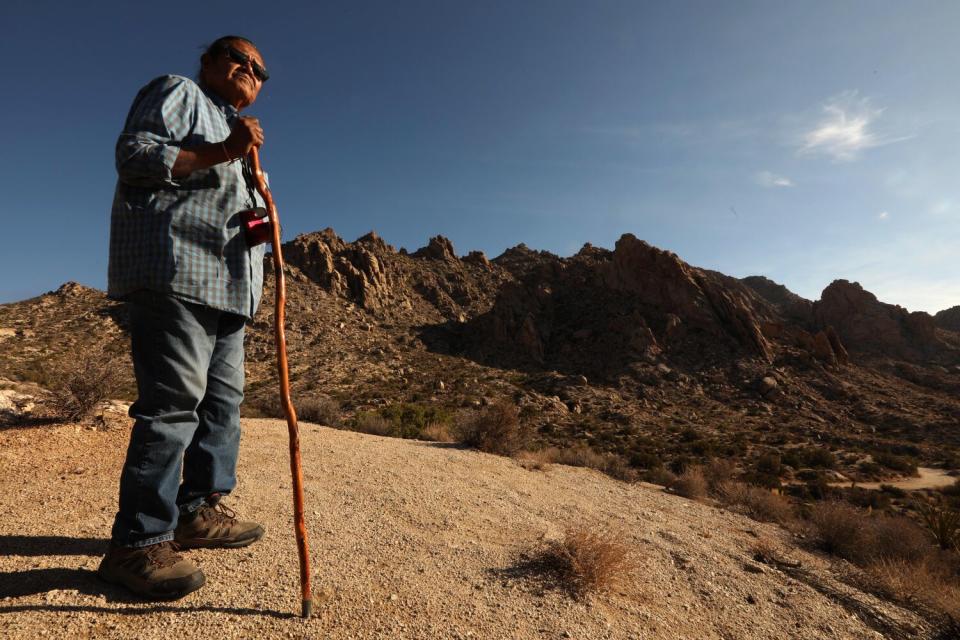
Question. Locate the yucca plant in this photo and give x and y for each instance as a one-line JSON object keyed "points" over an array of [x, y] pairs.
{"points": [[943, 523]]}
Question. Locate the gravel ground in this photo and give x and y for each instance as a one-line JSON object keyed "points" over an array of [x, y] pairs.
{"points": [[409, 540]]}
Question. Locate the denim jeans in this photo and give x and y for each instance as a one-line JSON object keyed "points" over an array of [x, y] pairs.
{"points": [[188, 360]]}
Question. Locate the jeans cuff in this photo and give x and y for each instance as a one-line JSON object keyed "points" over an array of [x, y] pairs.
{"points": [[139, 544], [190, 507]]}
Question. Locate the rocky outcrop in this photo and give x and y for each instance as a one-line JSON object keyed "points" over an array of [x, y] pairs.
{"points": [[868, 326], [948, 319], [439, 248], [356, 270], [599, 311], [663, 281], [789, 305]]}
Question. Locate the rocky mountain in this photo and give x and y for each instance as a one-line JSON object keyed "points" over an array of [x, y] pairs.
{"points": [[629, 351]]}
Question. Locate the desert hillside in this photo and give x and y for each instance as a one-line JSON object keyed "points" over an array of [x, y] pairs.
{"points": [[411, 539]]}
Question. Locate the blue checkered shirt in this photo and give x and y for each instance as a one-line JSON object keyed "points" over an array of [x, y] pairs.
{"points": [[181, 235]]}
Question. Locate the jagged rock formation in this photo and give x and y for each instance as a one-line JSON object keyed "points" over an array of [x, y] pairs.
{"points": [[872, 327], [948, 319], [619, 349]]}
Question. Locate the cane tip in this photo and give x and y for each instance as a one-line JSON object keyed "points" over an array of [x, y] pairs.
{"points": [[307, 608]]}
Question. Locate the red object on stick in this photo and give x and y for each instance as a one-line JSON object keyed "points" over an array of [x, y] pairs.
{"points": [[296, 470]]}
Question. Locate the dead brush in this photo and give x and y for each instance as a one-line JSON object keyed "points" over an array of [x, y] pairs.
{"points": [[755, 502], [691, 484], [587, 561], [79, 383], [437, 432], [497, 429]]}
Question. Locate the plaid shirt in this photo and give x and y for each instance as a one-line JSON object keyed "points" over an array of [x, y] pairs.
{"points": [[181, 236]]}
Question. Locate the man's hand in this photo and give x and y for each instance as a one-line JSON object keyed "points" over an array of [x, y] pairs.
{"points": [[246, 135]]}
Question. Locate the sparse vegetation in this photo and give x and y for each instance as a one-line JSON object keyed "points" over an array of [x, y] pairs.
{"points": [[79, 383], [691, 484], [588, 560], [756, 502], [497, 429], [322, 410]]}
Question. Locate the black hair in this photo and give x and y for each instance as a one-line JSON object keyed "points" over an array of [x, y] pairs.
{"points": [[216, 47]]}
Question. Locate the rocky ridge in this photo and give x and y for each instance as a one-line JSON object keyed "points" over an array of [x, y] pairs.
{"points": [[630, 351]]}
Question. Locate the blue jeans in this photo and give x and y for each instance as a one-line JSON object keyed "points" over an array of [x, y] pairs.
{"points": [[188, 361]]}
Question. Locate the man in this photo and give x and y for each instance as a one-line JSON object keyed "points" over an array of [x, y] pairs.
{"points": [[179, 259]]}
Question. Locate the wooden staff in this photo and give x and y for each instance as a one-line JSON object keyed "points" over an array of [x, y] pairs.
{"points": [[291, 415]]}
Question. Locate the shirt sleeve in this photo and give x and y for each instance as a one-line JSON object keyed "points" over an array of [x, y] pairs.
{"points": [[160, 118]]}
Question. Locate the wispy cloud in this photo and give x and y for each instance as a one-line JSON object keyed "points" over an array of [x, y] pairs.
{"points": [[772, 180], [883, 215], [847, 127]]}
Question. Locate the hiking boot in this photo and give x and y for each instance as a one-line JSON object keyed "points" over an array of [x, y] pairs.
{"points": [[214, 525], [156, 572]]}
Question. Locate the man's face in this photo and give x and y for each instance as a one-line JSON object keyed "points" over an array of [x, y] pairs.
{"points": [[235, 83]]}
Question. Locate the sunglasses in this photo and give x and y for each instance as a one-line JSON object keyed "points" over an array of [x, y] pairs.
{"points": [[242, 59]]}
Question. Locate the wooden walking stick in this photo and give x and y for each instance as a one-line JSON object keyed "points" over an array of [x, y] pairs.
{"points": [[296, 471]]}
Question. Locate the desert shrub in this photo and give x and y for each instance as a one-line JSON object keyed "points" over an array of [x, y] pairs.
{"points": [[587, 561], [690, 484], [659, 475], [325, 411], [497, 429], [839, 529], [581, 455], [79, 383], [902, 464], [372, 423], [409, 419], [923, 582], [755, 502], [437, 432], [769, 464], [898, 538], [942, 522], [814, 457], [717, 472]]}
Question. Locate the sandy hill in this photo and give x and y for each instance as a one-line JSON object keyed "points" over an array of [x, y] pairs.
{"points": [[410, 540]]}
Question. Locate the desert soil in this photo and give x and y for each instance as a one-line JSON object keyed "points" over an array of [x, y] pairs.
{"points": [[409, 540]]}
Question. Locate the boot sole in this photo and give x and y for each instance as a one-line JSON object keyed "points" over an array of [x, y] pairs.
{"points": [[199, 543], [173, 589]]}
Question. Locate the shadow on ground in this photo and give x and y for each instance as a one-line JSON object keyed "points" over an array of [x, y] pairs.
{"points": [[32, 582]]}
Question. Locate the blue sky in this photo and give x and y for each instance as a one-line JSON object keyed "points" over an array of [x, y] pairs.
{"points": [[802, 141]]}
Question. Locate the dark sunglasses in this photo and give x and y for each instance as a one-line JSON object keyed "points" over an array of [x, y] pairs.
{"points": [[242, 59]]}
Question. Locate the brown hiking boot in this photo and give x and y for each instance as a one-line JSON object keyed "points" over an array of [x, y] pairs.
{"points": [[214, 525], [156, 572]]}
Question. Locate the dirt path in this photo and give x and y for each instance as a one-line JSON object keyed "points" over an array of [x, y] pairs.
{"points": [[410, 540], [927, 478]]}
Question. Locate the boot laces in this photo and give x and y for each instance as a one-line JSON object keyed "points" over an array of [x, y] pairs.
{"points": [[164, 554], [222, 513]]}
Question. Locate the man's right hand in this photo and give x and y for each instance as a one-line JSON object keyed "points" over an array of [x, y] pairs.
{"points": [[246, 135]]}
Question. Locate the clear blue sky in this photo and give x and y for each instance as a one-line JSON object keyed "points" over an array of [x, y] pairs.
{"points": [[804, 141]]}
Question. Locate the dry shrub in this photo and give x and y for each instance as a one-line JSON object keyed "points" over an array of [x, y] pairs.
{"points": [[718, 472], [901, 580], [372, 423], [497, 429], [588, 561], [898, 538], [80, 383], [325, 411], [840, 529], [534, 460], [436, 432], [581, 455], [691, 484], [755, 502], [659, 475]]}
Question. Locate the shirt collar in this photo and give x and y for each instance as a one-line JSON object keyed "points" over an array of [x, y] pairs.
{"points": [[230, 111]]}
